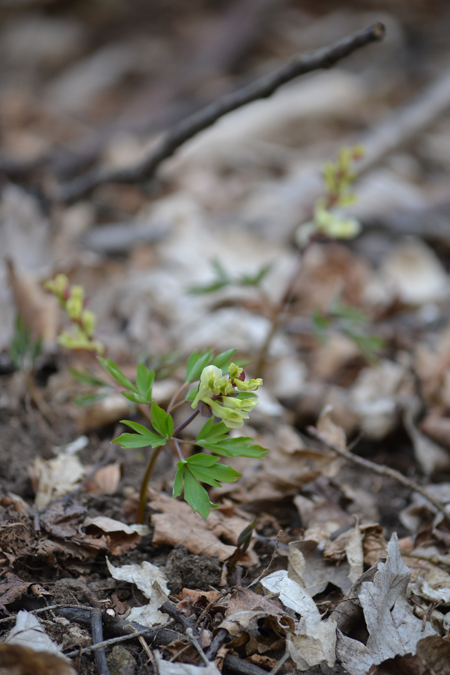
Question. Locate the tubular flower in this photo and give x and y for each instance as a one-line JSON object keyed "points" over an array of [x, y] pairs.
{"points": [[212, 383], [232, 418], [220, 394]]}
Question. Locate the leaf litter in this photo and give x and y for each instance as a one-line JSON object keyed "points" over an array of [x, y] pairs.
{"points": [[235, 194]]}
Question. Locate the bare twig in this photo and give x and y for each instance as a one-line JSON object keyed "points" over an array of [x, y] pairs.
{"points": [[112, 641], [176, 614], [186, 129], [380, 469], [97, 636], [231, 664], [195, 642], [216, 643], [267, 568]]}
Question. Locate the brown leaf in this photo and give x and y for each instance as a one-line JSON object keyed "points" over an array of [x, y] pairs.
{"points": [[105, 480], [432, 658], [11, 588], [243, 599], [117, 537], [374, 544], [178, 524]]}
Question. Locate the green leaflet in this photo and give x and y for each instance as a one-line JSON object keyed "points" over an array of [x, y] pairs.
{"points": [[214, 437], [201, 468], [117, 374], [162, 421], [141, 439]]}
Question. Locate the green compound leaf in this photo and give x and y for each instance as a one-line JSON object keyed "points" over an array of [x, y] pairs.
{"points": [[117, 374], [196, 363], [144, 381], [162, 421], [141, 439]]}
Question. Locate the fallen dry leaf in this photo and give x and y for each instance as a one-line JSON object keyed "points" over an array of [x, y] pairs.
{"points": [[309, 568], [11, 588], [105, 480], [28, 636], [178, 524], [56, 477], [393, 628], [153, 584], [119, 537]]}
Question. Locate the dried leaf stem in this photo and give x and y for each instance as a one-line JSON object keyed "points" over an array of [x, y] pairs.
{"points": [[189, 127], [380, 469]]}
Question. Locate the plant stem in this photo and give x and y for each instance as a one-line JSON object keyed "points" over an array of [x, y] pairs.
{"points": [[144, 485], [186, 422], [176, 395], [180, 454], [151, 465]]}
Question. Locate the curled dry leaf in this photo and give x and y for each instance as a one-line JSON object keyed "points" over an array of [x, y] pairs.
{"points": [[11, 588], [28, 648], [118, 537]]}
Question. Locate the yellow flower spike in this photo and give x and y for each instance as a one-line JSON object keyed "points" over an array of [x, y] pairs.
{"points": [[88, 321], [58, 286], [74, 305]]}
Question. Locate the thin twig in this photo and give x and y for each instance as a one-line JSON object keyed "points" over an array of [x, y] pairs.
{"points": [[380, 469], [110, 642], [216, 643], [97, 636], [186, 129], [13, 617], [176, 614], [194, 641], [272, 558]]}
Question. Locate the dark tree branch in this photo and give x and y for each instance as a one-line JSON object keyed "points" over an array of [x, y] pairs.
{"points": [[97, 636], [186, 129]]}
